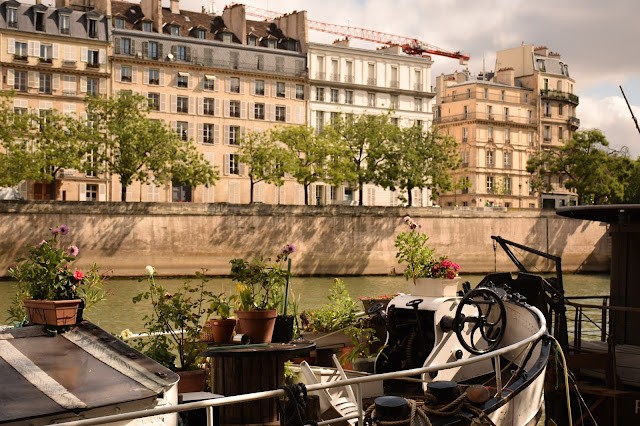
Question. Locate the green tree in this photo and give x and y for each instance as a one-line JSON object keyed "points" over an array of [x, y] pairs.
{"points": [[590, 166], [423, 159], [264, 158], [367, 141], [16, 156], [138, 148]]}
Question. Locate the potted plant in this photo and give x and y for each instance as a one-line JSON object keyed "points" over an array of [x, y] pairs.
{"points": [[222, 327], [49, 290], [260, 285], [430, 276], [173, 329], [360, 355]]}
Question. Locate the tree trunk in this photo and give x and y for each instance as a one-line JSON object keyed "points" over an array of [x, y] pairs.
{"points": [[52, 188], [123, 192], [306, 194], [251, 191], [409, 196], [360, 196]]}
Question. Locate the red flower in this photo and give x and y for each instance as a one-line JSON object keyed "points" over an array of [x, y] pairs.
{"points": [[78, 275]]}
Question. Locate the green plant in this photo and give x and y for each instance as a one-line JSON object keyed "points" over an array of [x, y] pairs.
{"points": [[221, 304], [173, 327], [339, 313], [289, 375], [260, 283], [46, 274], [362, 338]]}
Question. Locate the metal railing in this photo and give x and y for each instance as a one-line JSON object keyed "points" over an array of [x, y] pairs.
{"points": [[484, 116], [356, 382], [493, 97], [557, 94], [574, 121]]}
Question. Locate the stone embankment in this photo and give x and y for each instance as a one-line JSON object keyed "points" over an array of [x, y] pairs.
{"points": [[179, 239]]}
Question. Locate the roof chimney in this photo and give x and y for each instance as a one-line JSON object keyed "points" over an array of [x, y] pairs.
{"points": [[152, 9], [506, 76], [175, 7], [234, 18], [541, 50]]}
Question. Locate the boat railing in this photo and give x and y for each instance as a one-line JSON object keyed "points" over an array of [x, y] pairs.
{"points": [[354, 382]]}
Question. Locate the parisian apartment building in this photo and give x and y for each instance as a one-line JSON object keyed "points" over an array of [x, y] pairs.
{"points": [[500, 120], [211, 77]]}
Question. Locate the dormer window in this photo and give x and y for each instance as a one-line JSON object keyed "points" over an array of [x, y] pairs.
{"points": [[64, 24], [175, 30], [146, 26], [120, 23], [271, 44], [252, 40], [227, 38], [93, 28], [39, 21], [201, 34], [12, 17], [292, 45]]}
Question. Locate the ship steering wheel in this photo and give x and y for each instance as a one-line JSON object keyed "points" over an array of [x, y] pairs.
{"points": [[491, 328]]}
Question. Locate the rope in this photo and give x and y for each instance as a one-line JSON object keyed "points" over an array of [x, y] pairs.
{"points": [[293, 409]]}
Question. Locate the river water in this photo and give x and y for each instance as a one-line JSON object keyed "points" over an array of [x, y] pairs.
{"points": [[117, 312]]}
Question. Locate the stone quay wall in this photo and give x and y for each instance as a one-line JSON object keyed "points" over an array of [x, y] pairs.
{"points": [[180, 239]]}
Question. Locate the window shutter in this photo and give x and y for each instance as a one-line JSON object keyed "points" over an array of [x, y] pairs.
{"points": [[10, 78], [11, 46], [243, 110], [226, 107], [200, 105], [145, 49], [133, 47], [242, 131], [55, 51], [274, 89], [216, 134], [227, 84], [272, 112], [241, 86], [192, 105], [191, 129], [259, 196], [118, 72], [134, 75], [287, 91], [103, 86], [201, 81], [242, 169], [145, 76], [116, 45], [288, 114], [209, 157], [102, 56], [299, 115], [267, 85], [200, 133], [83, 84], [252, 110], [174, 126], [34, 79], [190, 82], [161, 77], [216, 84], [225, 135], [252, 86], [145, 95], [102, 192], [56, 82], [225, 168], [216, 108], [163, 102], [30, 49], [174, 79], [84, 53], [174, 103], [160, 50], [82, 192]]}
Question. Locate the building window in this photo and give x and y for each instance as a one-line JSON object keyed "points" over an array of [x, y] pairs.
{"points": [[503, 95], [234, 85], [507, 135], [371, 73], [490, 158], [418, 104], [300, 92], [181, 53], [227, 37], [465, 113], [45, 53], [20, 81], [507, 160], [45, 83], [530, 138], [154, 76], [92, 86], [93, 28], [348, 97], [259, 88], [371, 99], [146, 26], [63, 24], [279, 64], [394, 101], [526, 98], [489, 184], [560, 109], [281, 113], [154, 101], [234, 109], [489, 112], [201, 34], [394, 121], [208, 83], [506, 114], [234, 164], [152, 50], [258, 110], [181, 130], [207, 106], [465, 134], [271, 44], [507, 185], [252, 40], [259, 62], [547, 133], [486, 93], [91, 193], [20, 50], [125, 73], [207, 133], [319, 121], [545, 82], [183, 80], [120, 23], [93, 57], [234, 135], [530, 117], [320, 94], [334, 95], [125, 46], [12, 17], [560, 133], [547, 109], [280, 89], [40, 21], [183, 104], [175, 30], [465, 158], [490, 134], [348, 77]]}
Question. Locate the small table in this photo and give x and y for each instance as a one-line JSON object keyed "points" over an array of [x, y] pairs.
{"points": [[240, 369]]}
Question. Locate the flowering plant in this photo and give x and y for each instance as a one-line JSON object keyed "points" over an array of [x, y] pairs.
{"points": [[383, 297], [260, 283], [412, 249], [46, 274]]}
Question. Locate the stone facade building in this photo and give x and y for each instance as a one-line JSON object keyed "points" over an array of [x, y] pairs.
{"points": [[501, 120]]}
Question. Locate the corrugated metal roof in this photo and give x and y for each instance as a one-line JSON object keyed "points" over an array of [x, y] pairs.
{"points": [[79, 370]]}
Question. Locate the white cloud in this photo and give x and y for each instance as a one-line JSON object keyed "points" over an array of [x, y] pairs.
{"points": [[611, 115]]}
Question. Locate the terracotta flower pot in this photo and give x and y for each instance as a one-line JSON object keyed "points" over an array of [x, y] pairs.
{"points": [[258, 325], [222, 329], [192, 380], [52, 312], [434, 287]]}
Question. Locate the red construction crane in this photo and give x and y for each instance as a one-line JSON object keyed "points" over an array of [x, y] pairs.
{"points": [[410, 46]]}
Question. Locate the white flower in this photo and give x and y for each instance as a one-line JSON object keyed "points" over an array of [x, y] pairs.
{"points": [[126, 334], [150, 270]]}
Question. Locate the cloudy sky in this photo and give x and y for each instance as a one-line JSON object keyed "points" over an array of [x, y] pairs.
{"points": [[598, 39]]}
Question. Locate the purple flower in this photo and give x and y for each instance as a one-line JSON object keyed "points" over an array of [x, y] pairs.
{"points": [[291, 248], [55, 231], [72, 251], [64, 229], [41, 243]]}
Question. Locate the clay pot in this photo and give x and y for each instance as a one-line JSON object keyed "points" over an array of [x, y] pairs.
{"points": [[52, 312], [222, 329], [192, 380], [258, 325]]}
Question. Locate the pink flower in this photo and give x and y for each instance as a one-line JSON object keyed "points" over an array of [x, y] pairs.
{"points": [[64, 229], [55, 231], [72, 251], [451, 275], [456, 266], [41, 243], [78, 275], [446, 263]]}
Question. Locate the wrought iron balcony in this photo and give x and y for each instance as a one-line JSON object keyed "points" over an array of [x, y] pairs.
{"points": [[557, 94]]}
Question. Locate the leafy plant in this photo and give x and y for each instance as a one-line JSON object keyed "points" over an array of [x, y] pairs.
{"points": [[339, 313], [221, 305], [289, 375], [362, 338], [173, 327], [260, 283]]}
